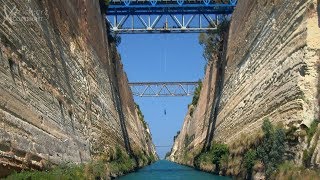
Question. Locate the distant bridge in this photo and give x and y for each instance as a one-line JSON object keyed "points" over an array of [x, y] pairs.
{"points": [[163, 146], [163, 89], [167, 16]]}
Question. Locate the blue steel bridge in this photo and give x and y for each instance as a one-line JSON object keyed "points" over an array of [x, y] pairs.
{"points": [[167, 16], [163, 89]]}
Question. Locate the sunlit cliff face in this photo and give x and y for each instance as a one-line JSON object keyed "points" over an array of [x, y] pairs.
{"points": [[270, 70], [59, 96]]}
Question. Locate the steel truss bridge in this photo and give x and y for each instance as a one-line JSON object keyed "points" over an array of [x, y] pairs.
{"points": [[163, 89], [167, 16]]}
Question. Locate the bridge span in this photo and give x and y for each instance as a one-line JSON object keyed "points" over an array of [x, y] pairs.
{"points": [[163, 89], [167, 16]]}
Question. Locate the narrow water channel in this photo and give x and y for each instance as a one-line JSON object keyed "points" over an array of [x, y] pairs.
{"points": [[168, 170]]}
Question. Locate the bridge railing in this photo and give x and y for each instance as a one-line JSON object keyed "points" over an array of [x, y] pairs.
{"points": [[179, 2]]}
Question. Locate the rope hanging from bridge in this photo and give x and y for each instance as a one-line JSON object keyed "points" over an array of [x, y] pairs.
{"points": [[165, 71]]}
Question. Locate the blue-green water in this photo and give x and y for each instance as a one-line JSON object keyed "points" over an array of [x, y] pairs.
{"points": [[171, 171]]}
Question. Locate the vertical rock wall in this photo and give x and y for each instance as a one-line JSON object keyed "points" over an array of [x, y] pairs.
{"points": [[271, 71], [60, 88]]}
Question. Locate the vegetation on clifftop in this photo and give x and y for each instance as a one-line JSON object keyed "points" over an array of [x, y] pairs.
{"points": [[195, 97], [211, 41], [104, 5], [141, 116]]}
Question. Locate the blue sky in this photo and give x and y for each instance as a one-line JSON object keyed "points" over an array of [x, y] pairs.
{"points": [[162, 57]]}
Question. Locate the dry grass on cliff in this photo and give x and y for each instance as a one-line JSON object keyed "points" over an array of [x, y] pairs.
{"points": [[290, 171], [245, 142], [117, 163], [88, 171], [238, 148]]}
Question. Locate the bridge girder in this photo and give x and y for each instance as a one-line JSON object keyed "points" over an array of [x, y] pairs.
{"points": [[185, 16], [163, 89]]}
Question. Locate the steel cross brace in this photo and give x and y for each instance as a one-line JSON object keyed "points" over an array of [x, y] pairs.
{"points": [[151, 25], [160, 89], [167, 16]]}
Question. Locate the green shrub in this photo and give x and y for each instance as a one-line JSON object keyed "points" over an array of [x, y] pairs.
{"points": [[104, 5], [107, 2], [191, 111], [122, 163], [96, 169], [272, 149], [218, 151], [167, 154], [203, 158], [141, 116], [249, 160], [291, 135], [307, 153], [223, 163], [114, 39], [142, 158], [196, 96], [217, 154], [151, 158], [312, 130], [175, 137], [212, 40], [306, 158], [188, 139]]}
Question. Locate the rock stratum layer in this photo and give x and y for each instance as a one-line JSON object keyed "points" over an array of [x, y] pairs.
{"points": [[64, 96], [269, 69]]}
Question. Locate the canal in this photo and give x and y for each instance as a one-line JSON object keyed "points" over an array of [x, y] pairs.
{"points": [[168, 170]]}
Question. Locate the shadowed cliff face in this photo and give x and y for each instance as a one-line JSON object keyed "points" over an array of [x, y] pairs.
{"points": [[271, 71], [61, 100]]}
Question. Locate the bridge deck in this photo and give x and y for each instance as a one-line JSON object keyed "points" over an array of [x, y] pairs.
{"points": [[160, 89], [167, 16], [167, 1]]}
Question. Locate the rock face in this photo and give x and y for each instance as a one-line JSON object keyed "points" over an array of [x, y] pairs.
{"points": [[269, 69], [63, 94]]}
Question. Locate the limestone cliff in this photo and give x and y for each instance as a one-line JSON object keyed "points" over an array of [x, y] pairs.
{"points": [[63, 94], [268, 68]]}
